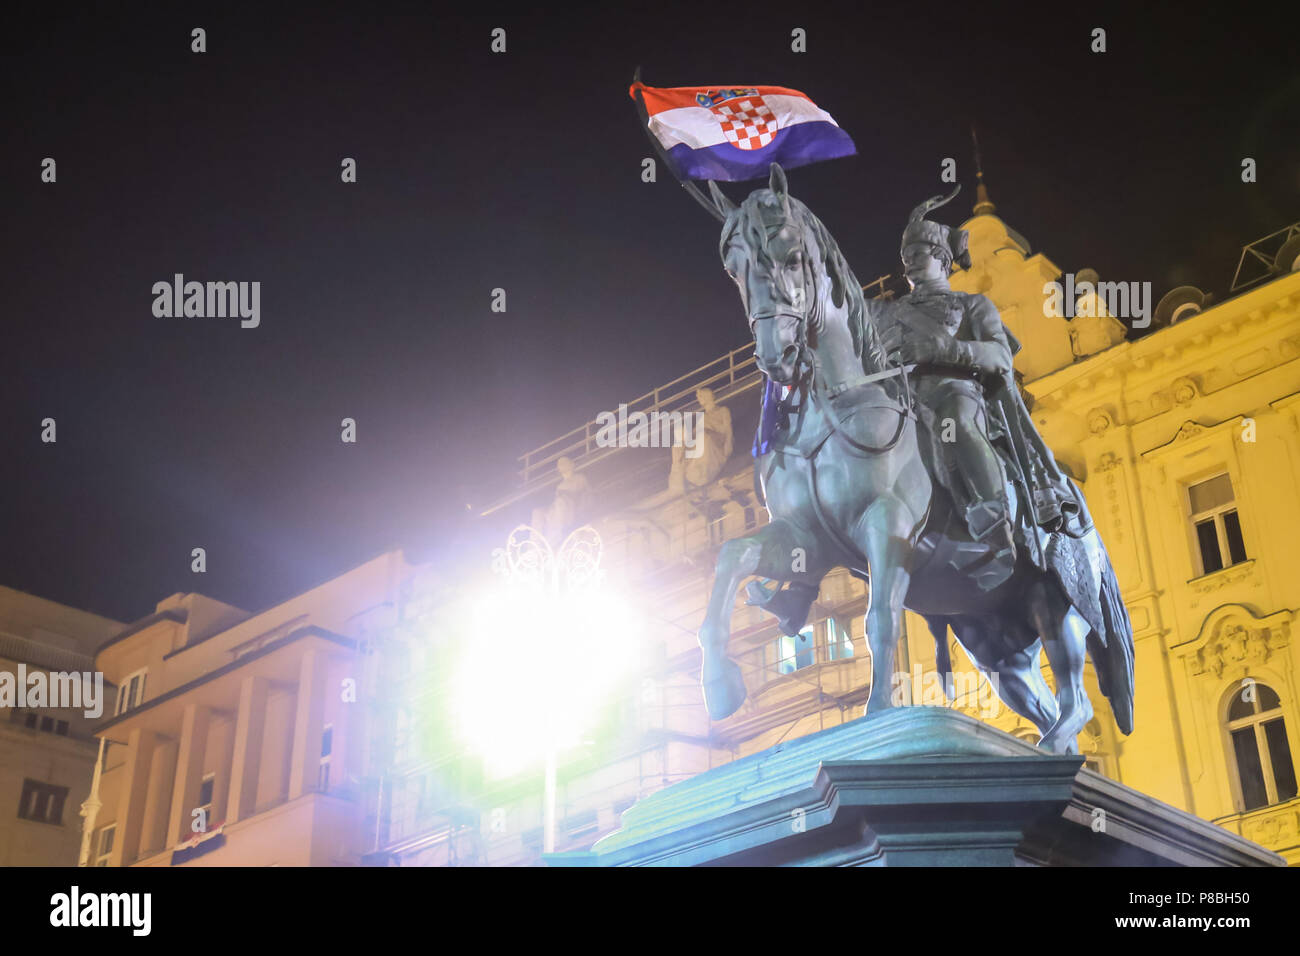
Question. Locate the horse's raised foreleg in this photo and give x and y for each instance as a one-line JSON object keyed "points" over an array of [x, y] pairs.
{"points": [[1064, 633], [775, 551], [887, 533]]}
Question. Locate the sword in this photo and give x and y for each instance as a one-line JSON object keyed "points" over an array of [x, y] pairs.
{"points": [[1017, 440]]}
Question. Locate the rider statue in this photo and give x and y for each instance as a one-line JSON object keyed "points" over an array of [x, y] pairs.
{"points": [[975, 431]]}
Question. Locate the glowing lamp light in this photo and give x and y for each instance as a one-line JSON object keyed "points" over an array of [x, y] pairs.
{"points": [[550, 647]]}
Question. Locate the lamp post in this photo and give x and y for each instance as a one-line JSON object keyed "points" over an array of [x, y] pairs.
{"points": [[561, 582]]}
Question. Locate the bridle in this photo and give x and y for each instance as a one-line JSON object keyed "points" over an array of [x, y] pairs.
{"points": [[807, 367]]}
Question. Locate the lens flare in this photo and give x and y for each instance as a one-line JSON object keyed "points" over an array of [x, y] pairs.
{"points": [[538, 669]]}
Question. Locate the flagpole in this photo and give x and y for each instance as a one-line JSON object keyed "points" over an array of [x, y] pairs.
{"points": [[695, 192]]}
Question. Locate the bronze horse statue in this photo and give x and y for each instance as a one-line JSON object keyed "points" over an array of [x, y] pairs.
{"points": [[846, 486]]}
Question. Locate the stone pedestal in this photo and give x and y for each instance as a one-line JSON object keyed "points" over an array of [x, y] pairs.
{"points": [[913, 786]]}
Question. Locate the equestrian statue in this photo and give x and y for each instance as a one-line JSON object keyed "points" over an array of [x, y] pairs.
{"points": [[893, 441]]}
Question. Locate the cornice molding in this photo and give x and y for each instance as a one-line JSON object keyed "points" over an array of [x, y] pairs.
{"points": [[1261, 304], [1192, 431]]}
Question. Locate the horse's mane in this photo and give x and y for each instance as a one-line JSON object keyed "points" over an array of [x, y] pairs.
{"points": [[750, 221]]}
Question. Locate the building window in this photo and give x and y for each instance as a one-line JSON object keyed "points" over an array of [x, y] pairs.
{"points": [[1260, 748], [422, 801], [104, 848], [205, 799], [42, 802], [795, 653], [839, 645], [326, 746], [577, 824], [715, 515], [402, 750], [130, 693], [33, 721], [1217, 525]]}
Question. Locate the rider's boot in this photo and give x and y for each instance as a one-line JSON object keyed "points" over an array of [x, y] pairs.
{"points": [[790, 605], [990, 526]]}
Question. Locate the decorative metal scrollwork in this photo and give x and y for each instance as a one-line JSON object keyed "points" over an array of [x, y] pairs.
{"points": [[528, 559]]}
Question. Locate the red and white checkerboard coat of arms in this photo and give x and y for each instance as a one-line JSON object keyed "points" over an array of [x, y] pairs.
{"points": [[748, 123]]}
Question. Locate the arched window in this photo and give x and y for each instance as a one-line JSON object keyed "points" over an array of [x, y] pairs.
{"points": [[1260, 748]]}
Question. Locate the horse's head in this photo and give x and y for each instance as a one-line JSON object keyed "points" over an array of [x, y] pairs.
{"points": [[790, 274]]}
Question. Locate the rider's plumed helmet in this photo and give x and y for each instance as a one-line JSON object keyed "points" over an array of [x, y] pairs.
{"points": [[949, 239]]}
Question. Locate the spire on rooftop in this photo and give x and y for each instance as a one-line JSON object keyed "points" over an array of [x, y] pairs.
{"points": [[983, 205]]}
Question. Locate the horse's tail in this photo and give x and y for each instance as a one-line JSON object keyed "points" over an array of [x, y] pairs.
{"points": [[938, 625], [1112, 652]]}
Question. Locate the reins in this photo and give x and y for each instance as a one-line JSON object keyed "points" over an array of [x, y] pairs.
{"points": [[808, 359]]}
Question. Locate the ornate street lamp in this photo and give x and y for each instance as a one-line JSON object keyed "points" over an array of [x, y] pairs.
{"points": [[567, 576]]}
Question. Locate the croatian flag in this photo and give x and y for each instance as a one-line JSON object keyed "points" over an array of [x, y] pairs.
{"points": [[735, 133]]}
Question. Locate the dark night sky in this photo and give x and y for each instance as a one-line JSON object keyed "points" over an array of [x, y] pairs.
{"points": [[520, 171]]}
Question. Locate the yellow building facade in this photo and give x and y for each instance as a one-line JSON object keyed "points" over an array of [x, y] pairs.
{"points": [[1186, 443]]}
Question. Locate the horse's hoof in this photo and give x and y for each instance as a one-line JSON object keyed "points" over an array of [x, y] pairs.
{"points": [[724, 689], [1060, 742], [1063, 736]]}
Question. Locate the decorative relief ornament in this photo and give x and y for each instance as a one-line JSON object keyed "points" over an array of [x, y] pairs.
{"points": [[1184, 390], [1218, 580], [1100, 421], [1240, 639], [1274, 829], [527, 559]]}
